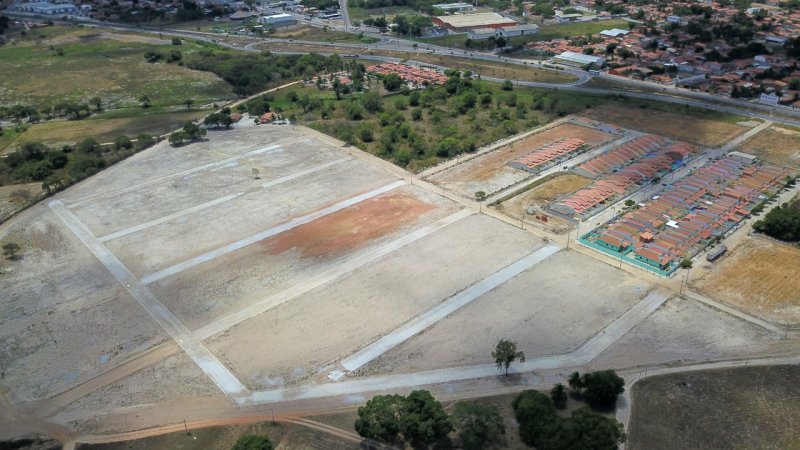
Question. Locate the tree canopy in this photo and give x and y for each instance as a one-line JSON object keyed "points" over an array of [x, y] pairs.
{"points": [[419, 418], [602, 388], [782, 222], [506, 353], [480, 426], [252, 442]]}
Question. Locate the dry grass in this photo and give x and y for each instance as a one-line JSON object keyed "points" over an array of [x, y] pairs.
{"points": [[544, 194], [685, 127], [777, 145], [759, 276], [16, 197], [102, 130], [752, 408]]}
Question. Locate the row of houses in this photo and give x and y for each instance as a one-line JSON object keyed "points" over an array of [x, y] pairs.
{"points": [[690, 215], [624, 170], [415, 76], [549, 155]]}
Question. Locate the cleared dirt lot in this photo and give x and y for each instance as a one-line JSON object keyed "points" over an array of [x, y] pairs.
{"points": [[702, 131], [312, 332], [752, 407], [63, 318], [541, 309], [687, 331], [775, 144], [230, 282], [542, 195], [171, 242], [759, 276], [489, 172]]}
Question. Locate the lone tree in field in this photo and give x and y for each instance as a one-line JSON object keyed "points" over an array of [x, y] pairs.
{"points": [[506, 353], [144, 99], [255, 173], [97, 102], [10, 250], [252, 442]]}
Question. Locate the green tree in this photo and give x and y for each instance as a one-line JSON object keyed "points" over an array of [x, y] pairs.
{"points": [[10, 250], [379, 419], [97, 102], [479, 426], [177, 41], [536, 416], [189, 102], [372, 102], [508, 85], [123, 142], [575, 382], [423, 419], [506, 353], [586, 429], [559, 396], [144, 99], [392, 82], [252, 442], [686, 263], [178, 138], [602, 388]]}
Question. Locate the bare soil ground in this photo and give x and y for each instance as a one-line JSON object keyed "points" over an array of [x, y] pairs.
{"points": [[63, 317], [759, 276], [687, 331], [563, 314], [17, 197], [673, 125], [255, 272], [751, 407], [314, 331], [775, 144], [489, 172], [282, 435]]}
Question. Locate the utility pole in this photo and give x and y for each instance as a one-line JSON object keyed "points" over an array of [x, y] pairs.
{"points": [[186, 428]]}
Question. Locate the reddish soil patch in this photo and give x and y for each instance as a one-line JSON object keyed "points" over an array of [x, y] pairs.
{"points": [[350, 228]]}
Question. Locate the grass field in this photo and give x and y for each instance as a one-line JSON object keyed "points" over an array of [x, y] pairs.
{"points": [[701, 126], [309, 33], [760, 276], [744, 408], [102, 129], [776, 144], [108, 65], [544, 193]]}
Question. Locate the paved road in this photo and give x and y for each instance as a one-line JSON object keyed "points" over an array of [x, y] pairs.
{"points": [[207, 362]]}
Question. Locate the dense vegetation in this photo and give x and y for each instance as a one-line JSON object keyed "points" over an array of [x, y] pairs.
{"points": [[540, 425], [252, 442], [249, 74], [59, 168], [420, 420], [419, 128], [782, 222]]}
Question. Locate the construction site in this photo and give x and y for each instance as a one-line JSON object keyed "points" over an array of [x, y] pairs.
{"points": [[275, 269]]}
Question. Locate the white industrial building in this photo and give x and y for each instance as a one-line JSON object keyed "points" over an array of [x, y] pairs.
{"points": [[579, 60], [454, 7], [49, 8], [278, 20], [481, 34], [614, 33]]}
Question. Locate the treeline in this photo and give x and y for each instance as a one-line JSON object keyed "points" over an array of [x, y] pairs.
{"points": [[782, 222], [405, 25], [73, 110], [421, 421], [249, 74], [59, 168]]}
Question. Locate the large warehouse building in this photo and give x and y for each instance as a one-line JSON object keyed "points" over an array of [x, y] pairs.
{"points": [[579, 60], [465, 22]]}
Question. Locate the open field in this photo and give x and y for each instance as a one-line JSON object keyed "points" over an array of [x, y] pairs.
{"points": [[102, 130], [775, 144], [489, 173], [752, 407], [282, 435], [685, 331], [52, 294], [758, 276], [314, 331], [17, 197], [309, 33], [543, 194], [687, 126], [107, 65], [564, 315]]}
